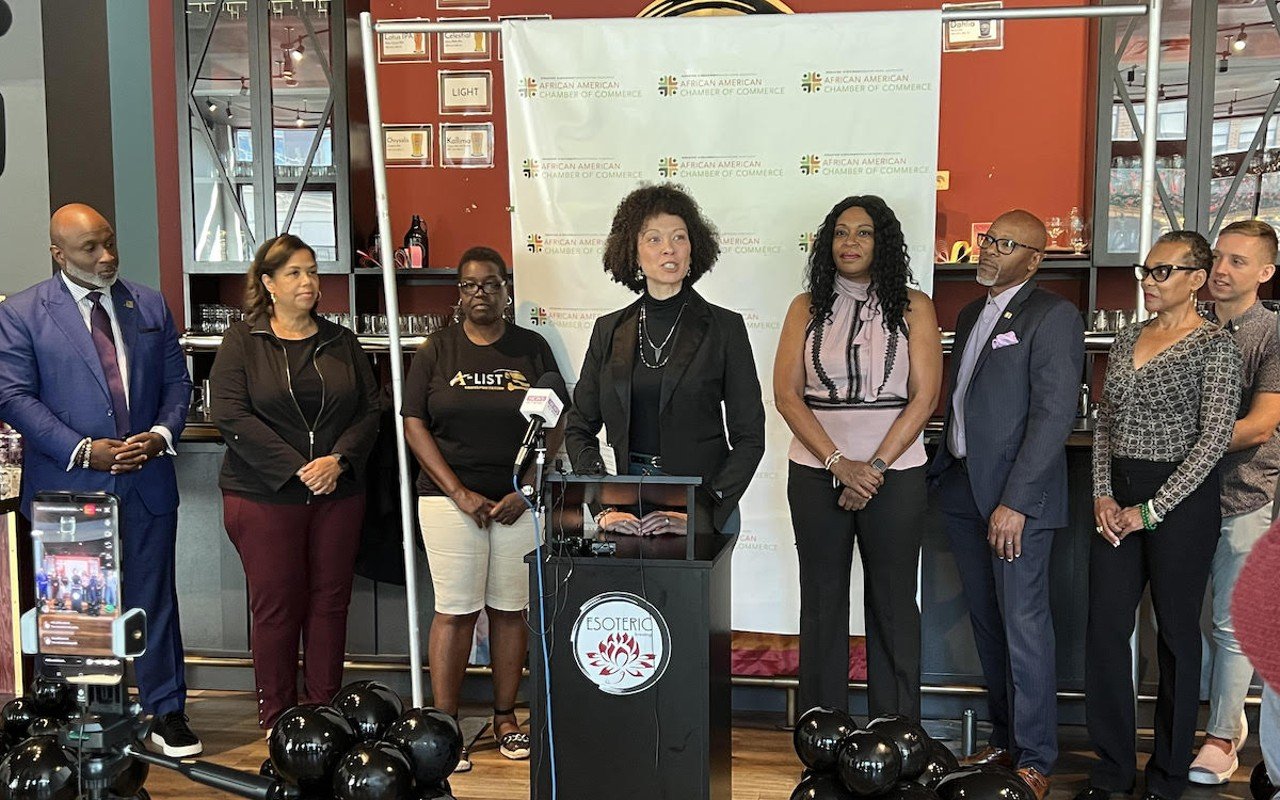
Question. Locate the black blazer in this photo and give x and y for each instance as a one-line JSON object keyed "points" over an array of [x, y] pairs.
{"points": [[267, 439], [1020, 407], [711, 364]]}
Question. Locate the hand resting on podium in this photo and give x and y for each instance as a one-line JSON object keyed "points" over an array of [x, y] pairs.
{"points": [[655, 523]]}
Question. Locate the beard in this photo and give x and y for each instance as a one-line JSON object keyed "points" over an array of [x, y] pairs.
{"points": [[988, 282], [89, 278]]}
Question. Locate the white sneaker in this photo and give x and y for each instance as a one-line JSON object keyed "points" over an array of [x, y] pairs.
{"points": [[1212, 766]]}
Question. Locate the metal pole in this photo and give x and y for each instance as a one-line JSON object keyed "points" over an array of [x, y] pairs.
{"points": [[397, 356], [1150, 132], [949, 15]]}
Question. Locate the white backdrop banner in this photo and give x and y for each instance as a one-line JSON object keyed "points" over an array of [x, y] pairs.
{"points": [[767, 134]]}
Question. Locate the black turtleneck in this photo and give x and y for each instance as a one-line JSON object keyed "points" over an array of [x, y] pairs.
{"points": [[646, 382]]}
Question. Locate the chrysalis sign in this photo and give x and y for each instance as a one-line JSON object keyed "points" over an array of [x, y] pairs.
{"points": [[621, 643]]}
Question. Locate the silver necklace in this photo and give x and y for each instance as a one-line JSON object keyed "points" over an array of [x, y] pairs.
{"points": [[657, 348]]}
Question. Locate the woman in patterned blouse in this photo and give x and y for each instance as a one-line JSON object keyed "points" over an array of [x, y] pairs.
{"points": [[1168, 407]]}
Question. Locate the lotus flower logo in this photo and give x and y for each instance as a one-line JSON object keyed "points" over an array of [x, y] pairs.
{"points": [[618, 657]]}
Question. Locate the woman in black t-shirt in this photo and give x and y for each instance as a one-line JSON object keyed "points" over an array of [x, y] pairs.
{"points": [[462, 420]]}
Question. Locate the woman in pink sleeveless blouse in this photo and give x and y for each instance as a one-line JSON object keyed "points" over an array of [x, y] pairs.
{"points": [[857, 376]]}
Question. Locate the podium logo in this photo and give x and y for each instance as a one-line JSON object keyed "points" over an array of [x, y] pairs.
{"points": [[621, 643], [811, 82], [529, 87], [668, 85]]}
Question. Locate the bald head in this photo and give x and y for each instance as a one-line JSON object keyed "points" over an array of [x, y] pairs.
{"points": [[1025, 227], [1023, 235], [84, 245]]}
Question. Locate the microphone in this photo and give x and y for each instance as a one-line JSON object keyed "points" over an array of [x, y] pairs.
{"points": [[542, 406]]}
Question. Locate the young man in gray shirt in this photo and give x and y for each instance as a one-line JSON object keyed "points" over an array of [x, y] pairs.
{"points": [[1243, 258]]}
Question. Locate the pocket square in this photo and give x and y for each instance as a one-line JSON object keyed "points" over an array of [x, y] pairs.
{"points": [[1004, 340]]}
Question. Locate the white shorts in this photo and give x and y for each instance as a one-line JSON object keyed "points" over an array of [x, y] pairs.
{"points": [[471, 567]]}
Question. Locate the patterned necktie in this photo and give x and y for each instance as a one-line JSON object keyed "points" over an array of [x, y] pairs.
{"points": [[104, 341]]}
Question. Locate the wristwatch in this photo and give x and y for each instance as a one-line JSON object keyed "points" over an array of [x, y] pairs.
{"points": [[879, 466], [342, 461]]}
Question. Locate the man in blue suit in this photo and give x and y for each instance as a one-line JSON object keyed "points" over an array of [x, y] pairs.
{"points": [[93, 377], [1001, 473]]}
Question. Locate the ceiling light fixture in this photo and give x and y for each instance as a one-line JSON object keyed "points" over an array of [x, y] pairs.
{"points": [[1241, 40]]}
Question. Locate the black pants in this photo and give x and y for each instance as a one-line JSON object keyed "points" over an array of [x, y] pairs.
{"points": [[888, 532], [1175, 558]]}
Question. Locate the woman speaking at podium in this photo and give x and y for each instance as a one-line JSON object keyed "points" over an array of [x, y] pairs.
{"points": [[462, 401], [662, 375]]}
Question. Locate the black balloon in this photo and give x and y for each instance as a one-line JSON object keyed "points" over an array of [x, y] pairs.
{"points": [[440, 791], [939, 762], [910, 739], [1260, 785], [130, 780], [18, 714], [432, 741], [307, 743], [373, 771], [369, 706], [43, 726], [52, 698], [983, 783], [268, 769], [38, 769], [818, 734], [821, 786], [869, 764], [910, 790]]}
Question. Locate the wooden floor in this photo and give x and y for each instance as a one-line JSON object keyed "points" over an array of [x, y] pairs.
{"points": [[764, 765]]}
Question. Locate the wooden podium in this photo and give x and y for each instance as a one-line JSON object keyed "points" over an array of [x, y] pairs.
{"points": [[639, 647]]}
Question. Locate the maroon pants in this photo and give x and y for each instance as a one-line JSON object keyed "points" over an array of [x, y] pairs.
{"points": [[299, 561]]}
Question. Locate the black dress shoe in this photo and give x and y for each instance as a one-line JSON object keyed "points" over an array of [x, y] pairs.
{"points": [[1150, 795]]}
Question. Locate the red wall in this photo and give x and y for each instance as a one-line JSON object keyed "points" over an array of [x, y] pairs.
{"points": [[1015, 129]]}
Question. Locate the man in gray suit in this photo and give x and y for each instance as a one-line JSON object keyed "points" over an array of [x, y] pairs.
{"points": [[1001, 474]]}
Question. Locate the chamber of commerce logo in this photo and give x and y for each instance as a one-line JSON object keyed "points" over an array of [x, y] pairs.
{"points": [[668, 85], [529, 87], [811, 82], [533, 242], [529, 168], [538, 316], [810, 165], [806, 242], [621, 643], [668, 167]]}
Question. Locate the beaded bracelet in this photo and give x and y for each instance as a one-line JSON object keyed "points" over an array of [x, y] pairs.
{"points": [[1147, 522], [1156, 519], [86, 451]]}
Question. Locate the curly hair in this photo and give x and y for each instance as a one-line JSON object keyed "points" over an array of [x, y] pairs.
{"points": [[271, 256], [890, 263], [620, 262]]}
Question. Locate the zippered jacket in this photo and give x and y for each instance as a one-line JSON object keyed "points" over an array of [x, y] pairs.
{"points": [[268, 439]]}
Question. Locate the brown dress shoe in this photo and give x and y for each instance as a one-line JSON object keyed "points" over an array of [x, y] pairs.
{"points": [[989, 755], [1038, 783]]}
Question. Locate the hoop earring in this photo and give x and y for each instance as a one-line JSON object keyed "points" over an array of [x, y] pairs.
{"points": [[457, 312], [511, 301]]}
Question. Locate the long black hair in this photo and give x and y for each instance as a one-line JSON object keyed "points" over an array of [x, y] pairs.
{"points": [[890, 263]]}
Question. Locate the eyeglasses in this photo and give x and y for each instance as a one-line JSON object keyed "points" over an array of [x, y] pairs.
{"points": [[1160, 272], [470, 288], [1004, 246]]}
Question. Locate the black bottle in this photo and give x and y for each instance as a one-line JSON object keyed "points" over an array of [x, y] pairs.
{"points": [[417, 235]]}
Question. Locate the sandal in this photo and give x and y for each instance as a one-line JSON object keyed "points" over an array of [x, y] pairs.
{"points": [[464, 763], [513, 745]]}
